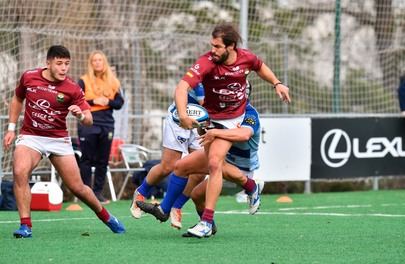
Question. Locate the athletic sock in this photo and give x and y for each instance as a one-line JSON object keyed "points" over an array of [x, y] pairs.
{"points": [[145, 188], [181, 201], [249, 186], [175, 187], [103, 215], [26, 221], [208, 215]]}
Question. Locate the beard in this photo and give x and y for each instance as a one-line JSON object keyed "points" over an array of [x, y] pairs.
{"points": [[222, 58]]}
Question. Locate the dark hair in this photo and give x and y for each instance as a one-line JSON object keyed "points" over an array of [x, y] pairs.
{"points": [[58, 51], [228, 33]]}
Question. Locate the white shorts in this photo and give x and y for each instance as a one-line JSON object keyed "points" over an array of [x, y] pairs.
{"points": [[177, 138], [229, 123], [47, 145]]}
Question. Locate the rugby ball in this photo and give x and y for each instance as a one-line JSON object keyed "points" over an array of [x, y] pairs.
{"points": [[194, 111]]}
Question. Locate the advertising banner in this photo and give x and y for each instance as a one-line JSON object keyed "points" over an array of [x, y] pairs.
{"points": [[285, 149], [357, 147]]}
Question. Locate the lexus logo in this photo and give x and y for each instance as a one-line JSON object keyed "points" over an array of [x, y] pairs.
{"points": [[43, 104], [375, 147], [329, 153]]}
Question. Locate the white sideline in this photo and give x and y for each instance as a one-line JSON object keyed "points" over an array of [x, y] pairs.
{"points": [[310, 214], [281, 211]]}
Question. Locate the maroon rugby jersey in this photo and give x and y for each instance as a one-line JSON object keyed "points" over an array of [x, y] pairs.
{"points": [[224, 85], [46, 104]]}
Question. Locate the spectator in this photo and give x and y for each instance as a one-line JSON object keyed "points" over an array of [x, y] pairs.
{"points": [[102, 91]]}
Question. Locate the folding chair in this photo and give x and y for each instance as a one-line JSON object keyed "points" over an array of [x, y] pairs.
{"points": [[133, 156]]}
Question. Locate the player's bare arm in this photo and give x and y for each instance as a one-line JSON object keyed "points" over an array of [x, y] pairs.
{"points": [[180, 97], [14, 112], [281, 90], [239, 134], [84, 116]]}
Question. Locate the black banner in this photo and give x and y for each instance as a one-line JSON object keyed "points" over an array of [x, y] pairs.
{"points": [[357, 147]]}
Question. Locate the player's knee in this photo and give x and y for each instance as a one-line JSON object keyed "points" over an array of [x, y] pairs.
{"points": [[20, 177], [180, 169], [214, 164], [79, 190], [167, 168]]}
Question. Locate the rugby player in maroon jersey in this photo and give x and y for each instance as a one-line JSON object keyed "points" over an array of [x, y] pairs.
{"points": [[223, 72], [49, 96]]}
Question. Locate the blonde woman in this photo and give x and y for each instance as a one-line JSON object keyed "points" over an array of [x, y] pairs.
{"points": [[102, 91]]}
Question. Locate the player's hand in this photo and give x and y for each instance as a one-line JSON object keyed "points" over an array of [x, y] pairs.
{"points": [[75, 110], [188, 122], [8, 139], [208, 137], [101, 101], [283, 92]]}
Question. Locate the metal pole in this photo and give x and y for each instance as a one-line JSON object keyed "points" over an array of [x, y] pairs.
{"points": [[285, 76], [336, 72], [137, 98], [307, 187], [375, 183], [243, 22]]}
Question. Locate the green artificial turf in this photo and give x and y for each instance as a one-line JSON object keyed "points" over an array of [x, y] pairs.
{"points": [[353, 227]]}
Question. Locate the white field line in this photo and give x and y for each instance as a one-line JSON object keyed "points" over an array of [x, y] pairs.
{"points": [[281, 211], [313, 214], [340, 206]]}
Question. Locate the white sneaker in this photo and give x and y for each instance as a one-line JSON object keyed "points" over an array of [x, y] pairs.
{"points": [[260, 183], [136, 212], [175, 218], [202, 229], [241, 197], [254, 200]]}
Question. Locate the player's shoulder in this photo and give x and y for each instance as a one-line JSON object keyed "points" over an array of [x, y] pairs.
{"points": [[206, 58], [70, 81], [32, 72], [251, 116], [251, 110], [246, 53]]}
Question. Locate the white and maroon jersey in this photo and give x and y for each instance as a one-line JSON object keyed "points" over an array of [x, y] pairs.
{"points": [[224, 85], [46, 103]]}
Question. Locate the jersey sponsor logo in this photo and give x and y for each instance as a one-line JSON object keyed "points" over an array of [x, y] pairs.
{"points": [[60, 97], [43, 105], [181, 139], [41, 126], [43, 116], [250, 120], [195, 69], [45, 89], [235, 71], [216, 77], [375, 147], [233, 93], [234, 86], [32, 90]]}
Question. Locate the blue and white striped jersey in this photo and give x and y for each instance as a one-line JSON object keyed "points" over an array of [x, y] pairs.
{"points": [[196, 94], [244, 155]]}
